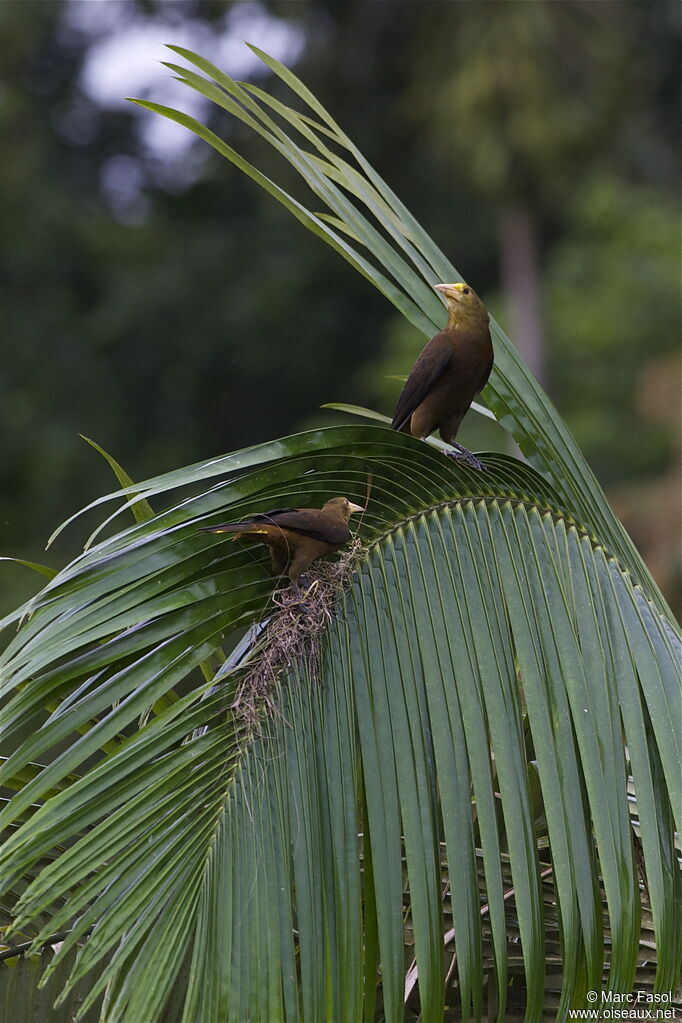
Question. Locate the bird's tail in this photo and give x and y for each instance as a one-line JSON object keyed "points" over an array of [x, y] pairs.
{"points": [[243, 528]]}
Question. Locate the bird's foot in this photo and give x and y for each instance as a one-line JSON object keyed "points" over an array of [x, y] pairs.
{"points": [[296, 593], [462, 454], [310, 587]]}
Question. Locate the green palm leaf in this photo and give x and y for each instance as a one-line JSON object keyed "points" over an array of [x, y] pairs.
{"points": [[388, 247], [486, 637], [446, 808]]}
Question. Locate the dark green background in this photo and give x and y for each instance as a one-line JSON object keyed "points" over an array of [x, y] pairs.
{"points": [[198, 319]]}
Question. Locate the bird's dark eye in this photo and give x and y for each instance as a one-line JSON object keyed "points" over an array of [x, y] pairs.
{"points": [[465, 291]]}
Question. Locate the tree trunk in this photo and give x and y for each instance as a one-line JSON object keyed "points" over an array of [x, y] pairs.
{"points": [[520, 284]]}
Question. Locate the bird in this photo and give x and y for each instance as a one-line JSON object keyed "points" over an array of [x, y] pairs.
{"points": [[451, 369], [296, 536]]}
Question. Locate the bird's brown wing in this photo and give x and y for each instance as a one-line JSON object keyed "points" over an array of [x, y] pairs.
{"points": [[312, 522], [263, 516], [485, 378], [433, 362], [240, 527]]}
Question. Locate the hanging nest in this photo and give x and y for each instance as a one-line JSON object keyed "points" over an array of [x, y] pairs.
{"points": [[293, 632]]}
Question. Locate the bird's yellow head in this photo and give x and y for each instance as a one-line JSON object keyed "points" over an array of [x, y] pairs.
{"points": [[342, 506], [465, 308]]}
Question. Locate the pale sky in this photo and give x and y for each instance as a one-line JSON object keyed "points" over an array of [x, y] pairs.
{"points": [[125, 48]]}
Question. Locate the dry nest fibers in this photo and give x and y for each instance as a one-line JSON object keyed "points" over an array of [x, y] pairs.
{"points": [[293, 632]]}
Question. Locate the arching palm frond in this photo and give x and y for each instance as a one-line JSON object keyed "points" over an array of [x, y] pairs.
{"points": [[490, 681]]}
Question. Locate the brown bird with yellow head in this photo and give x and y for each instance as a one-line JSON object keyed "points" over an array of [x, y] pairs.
{"points": [[452, 368], [296, 536]]}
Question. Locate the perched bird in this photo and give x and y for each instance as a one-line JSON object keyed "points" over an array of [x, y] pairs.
{"points": [[452, 368], [296, 536]]}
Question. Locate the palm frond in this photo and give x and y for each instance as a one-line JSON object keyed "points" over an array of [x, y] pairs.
{"points": [[488, 638], [366, 223]]}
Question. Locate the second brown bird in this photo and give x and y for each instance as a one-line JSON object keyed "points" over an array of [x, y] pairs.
{"points": [[451, 369], [296, 536]]}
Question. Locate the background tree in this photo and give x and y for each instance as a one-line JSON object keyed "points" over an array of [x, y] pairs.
{"points": [[524, 96], [134, 285]]}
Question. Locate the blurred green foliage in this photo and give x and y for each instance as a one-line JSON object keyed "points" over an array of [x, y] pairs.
{"points": [[198, 318], [612, 302], [522, 93]]}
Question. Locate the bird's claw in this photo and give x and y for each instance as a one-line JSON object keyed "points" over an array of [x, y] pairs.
{"points": [[462, 454], [296, 593]]}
